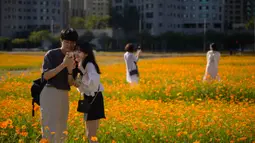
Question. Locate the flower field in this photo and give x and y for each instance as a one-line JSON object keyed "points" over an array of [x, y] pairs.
{"points": [[170, 104]]}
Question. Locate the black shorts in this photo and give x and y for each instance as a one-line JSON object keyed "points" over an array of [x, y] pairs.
{"points": [[97, 108]]}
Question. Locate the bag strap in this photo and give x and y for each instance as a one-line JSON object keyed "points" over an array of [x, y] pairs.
{"points": [[95, 95], [33, 108]]}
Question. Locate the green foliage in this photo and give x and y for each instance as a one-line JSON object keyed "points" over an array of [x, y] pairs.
{"points": [[129, 21], [77, 22], [19, 41], [96, 22], [38, 36], [250, 24], [4, 40]]}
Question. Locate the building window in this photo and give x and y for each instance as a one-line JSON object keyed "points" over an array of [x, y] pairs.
{"points": [[118, 1], [149, 15], [147, 6], [217, 25], [160, 25], [148, 25], [160, 5], [13, 1]]}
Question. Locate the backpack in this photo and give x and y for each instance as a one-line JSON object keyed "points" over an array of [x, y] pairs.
{"points": [[36, 90]]}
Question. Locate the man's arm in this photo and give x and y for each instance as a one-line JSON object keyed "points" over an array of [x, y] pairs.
{"points": [[48, 71]]}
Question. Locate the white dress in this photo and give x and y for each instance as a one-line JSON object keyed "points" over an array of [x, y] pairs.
{"points": [[211, 70], [130, 60]]}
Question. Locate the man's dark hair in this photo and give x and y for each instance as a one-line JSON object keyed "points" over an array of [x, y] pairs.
{"points": [[69, 34]]}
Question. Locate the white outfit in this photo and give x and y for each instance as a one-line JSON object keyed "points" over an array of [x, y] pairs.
{"points": [[90, 81], [213, 58], [130, 60]]}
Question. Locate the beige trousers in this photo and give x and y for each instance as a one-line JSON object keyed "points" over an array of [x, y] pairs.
{"points": [[54, 106]]}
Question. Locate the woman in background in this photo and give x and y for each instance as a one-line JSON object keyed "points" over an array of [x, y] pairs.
{"points": [[213, 57], [132, 74]]}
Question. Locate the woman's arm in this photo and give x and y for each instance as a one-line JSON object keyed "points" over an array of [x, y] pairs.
{"points": [[137, 55], [92, 81]]}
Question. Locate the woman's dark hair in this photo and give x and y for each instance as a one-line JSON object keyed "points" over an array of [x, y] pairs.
{"points": [[86, 48], [213, 47], [130, 47], [69, 34]]}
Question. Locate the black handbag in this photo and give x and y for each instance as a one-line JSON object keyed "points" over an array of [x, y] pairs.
{"points": [[84, 105], [135, 71], [36, 90]]}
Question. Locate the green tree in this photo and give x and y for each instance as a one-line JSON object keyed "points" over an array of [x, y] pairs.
{"points": [[4, 40], [19, 42], [77, 22], [38, 36], [250, 24], [104, 22], [91, 22], [3, 43], [131, 19], [97, 22]]}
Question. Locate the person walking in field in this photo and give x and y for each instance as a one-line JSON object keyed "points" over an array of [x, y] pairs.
{"points": [[212, 57]]}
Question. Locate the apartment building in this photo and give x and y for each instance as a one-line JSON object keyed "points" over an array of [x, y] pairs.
{"points": [[186, 16], [18, 16], [76, 8], [97, 7]]}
